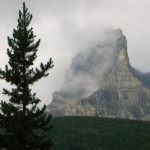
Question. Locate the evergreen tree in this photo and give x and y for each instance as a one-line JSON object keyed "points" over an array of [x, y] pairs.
{"points": [[23, 125]]}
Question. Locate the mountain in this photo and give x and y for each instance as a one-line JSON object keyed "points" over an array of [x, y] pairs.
{"points": [[124, 92]]}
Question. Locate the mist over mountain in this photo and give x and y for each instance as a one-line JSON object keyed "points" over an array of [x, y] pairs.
{"points": [[101, 82], [87, 70]]}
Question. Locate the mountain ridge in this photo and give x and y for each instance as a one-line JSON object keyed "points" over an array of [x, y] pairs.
{"points": [[124, 92]]}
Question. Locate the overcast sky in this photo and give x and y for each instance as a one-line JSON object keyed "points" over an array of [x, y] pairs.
{"points": [[66, 27]]}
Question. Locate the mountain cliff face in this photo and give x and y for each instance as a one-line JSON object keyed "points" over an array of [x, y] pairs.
{"points": [[124, 92]]}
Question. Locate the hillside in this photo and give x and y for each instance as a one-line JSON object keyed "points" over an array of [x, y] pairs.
{"points": [[95, 133]]}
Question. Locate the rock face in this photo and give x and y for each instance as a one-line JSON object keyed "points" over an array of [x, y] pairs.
{"points": [[124, 93]]}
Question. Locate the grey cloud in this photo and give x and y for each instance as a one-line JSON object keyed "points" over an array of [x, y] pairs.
{"points": [[69, 26], [87, 70]]}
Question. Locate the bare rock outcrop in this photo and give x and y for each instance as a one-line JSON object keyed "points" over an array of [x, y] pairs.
{"points": [[124, 92]]}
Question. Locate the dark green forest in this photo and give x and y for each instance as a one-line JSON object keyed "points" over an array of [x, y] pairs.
{"points": [[93, 133]]}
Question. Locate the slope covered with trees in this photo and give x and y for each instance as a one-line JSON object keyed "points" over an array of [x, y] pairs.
{"points": [[95, 133]]}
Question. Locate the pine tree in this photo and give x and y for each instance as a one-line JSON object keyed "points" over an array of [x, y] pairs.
{"points": [[23, 125]]}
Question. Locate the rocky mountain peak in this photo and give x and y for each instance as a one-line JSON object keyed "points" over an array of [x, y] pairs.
{"points": [[120, 75], [124, 91], [122, 57]]}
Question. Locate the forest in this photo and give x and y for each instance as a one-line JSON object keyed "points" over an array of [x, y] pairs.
{"points": [[94, 133]]}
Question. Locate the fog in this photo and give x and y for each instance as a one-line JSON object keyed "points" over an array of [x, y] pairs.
{"points": [[88, 69], [68, 28]]}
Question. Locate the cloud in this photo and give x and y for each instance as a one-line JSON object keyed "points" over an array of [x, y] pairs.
{"points": [[87, 70], [67, 27]]}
